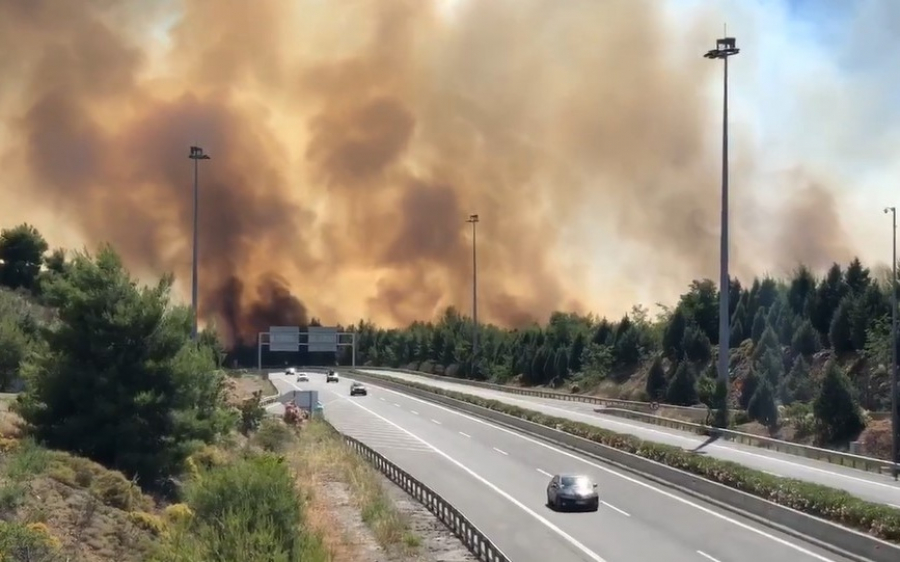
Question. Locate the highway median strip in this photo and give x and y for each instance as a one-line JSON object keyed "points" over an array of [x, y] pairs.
{"points": [[879, 520]]}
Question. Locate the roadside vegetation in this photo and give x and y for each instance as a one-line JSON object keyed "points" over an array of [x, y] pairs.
{"points": [[809, 356], [331, 471], [127, 441]]}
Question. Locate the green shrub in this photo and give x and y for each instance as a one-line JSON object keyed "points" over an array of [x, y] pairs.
{"points": [[834, 505], [252, 413], [28, 460], [32, 542], [247, 511], [273, 435], [12, 494]]}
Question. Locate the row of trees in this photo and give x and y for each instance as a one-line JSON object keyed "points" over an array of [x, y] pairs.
{"points": [[801, 340], [781, 330], [109, 368]]}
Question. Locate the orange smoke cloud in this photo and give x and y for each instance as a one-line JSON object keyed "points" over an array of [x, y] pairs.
{"points": [[350, 141]]}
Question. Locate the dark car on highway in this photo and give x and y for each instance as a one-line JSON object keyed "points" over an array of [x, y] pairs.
{"points": [[572, 491], [357, 389]]}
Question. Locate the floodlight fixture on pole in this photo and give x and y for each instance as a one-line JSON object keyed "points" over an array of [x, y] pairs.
{"points": [[725, 48], [196, 155], [473, 220]]}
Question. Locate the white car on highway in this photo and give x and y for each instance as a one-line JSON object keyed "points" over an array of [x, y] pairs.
{"points": [[302, 377], [290, 371]]}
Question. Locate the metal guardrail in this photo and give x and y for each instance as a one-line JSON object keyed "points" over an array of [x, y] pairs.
{"points": [[474, 540], [860, 462], [555, 395]]}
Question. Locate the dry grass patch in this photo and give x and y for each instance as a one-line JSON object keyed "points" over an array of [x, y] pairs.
{"points": [[9, 421], [324, 461], [239, 388], [71, 508]]}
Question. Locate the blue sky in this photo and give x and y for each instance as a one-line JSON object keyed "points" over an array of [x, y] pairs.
{"points": [[818, 81]]}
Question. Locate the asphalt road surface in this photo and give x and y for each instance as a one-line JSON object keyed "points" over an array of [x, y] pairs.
{"points": [[498, 479], [869, 486]]}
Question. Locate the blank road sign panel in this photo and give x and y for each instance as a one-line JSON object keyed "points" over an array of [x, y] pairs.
{"points": [[323, 339], [284, 338]]}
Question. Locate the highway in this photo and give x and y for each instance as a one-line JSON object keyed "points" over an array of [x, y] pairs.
{"points": [[498, 479], [866, 485]]}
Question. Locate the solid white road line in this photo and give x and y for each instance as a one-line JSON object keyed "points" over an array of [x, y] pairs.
{"points": [[545, 473], [395, 404], [415, 413], [692, 441], [635, 481], [614, 508], [464, 434], [435, 421], [542, 520], [501, 452], [707, 556]]}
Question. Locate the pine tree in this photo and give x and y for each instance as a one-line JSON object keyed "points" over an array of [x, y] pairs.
{"points": [[751, 383], [673, 336], [759, 325], [740, 316], [762, 406], [695, 345], [627, 347], [656, 380], [836, 408], [578, 346], [805, 340], [561, 366], [683, 386], [771, 367], [840, 331], [797, 385], [766, 343], [737, 334]]}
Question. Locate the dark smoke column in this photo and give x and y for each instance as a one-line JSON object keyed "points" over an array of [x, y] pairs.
{"points": [[725, 47], [196, 155]]}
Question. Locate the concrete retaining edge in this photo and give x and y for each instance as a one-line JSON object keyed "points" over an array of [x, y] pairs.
{"points": [[829, 536]]}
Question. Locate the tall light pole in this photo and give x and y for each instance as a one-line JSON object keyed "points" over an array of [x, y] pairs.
{"points": [[196, 155], [725, 48], [895, 416], [473, 220]]}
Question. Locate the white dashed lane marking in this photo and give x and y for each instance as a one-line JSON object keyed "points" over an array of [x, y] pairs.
{"points": [[614, 508], [707, 556], [373, 432]]}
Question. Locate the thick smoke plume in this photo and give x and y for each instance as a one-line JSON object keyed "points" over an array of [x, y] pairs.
{"points": [[350, 140]]}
